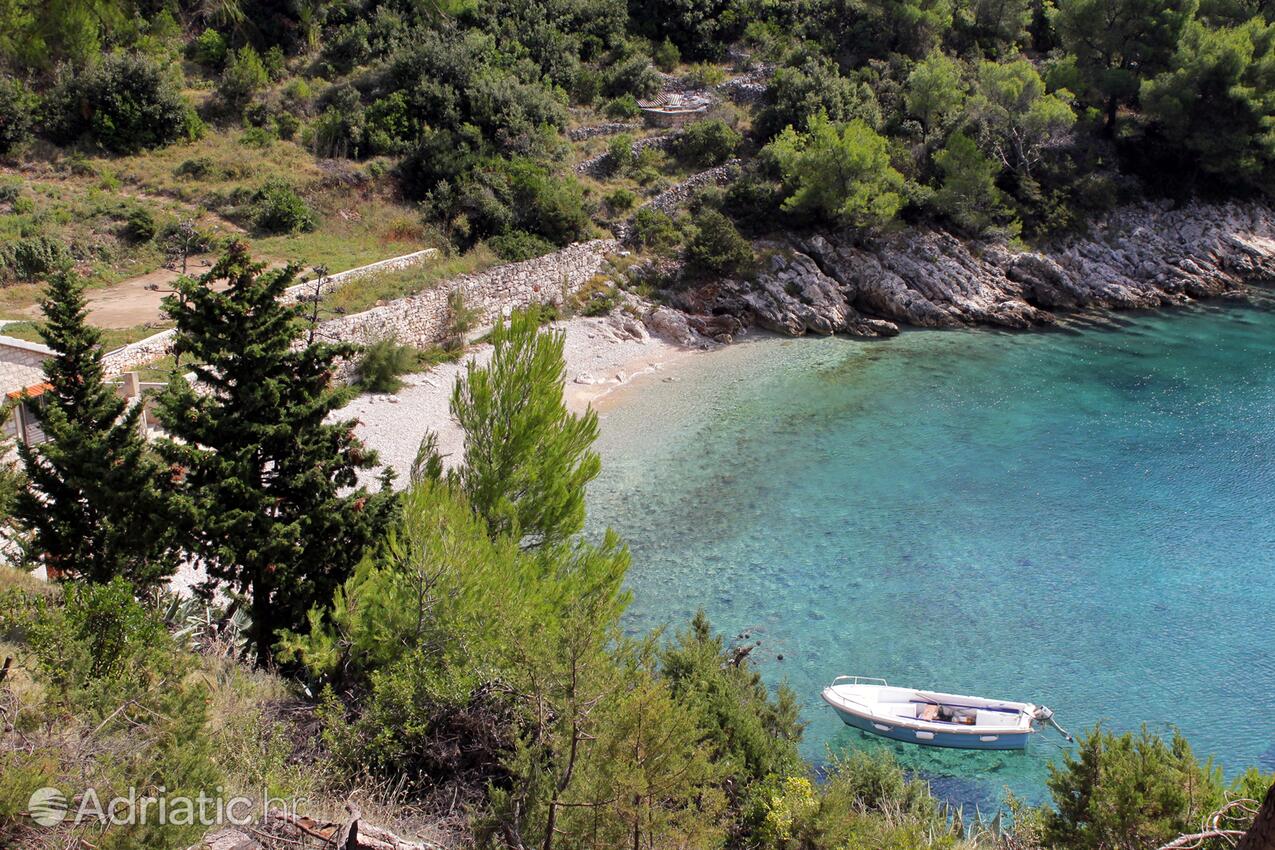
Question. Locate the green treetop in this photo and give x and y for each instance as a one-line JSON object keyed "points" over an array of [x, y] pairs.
{"points": [[935, 92], [264, 481], [1217, 102], [92, 503], [841, 174], [1119, 43], [527, 459]]}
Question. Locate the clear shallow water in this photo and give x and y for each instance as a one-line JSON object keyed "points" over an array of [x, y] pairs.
{"points": [[1081, 518]]}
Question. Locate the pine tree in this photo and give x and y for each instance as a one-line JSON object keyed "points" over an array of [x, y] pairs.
{"points": [[527, 459], [92, 503], [265, 483]]}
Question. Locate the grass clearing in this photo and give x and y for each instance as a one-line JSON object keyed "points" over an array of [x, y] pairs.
{"points": [[365, 292]]}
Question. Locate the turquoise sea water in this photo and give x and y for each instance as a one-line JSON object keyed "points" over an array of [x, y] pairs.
{"points": [[1083, 518]]}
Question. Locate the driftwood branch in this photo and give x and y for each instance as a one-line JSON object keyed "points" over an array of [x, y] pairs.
{"points": [[1259, 836], [354, 834]]}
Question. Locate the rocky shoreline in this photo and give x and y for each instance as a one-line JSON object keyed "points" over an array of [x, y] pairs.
{"points": [[1144, 256]]}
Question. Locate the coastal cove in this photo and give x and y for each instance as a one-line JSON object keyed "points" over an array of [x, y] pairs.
{"points": [[1077, 517]]}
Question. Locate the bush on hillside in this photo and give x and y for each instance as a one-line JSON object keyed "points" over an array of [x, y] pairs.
{"points": [[113, 708], [717, 248], [552, 205], [799, 94], [666, 55], [18, 105], [245, 75], [839, 174], [31, 258], [277, 208], [208, 49], [620, 155], [622, 107], [633, 76], [140, 225], [655, 230], [706, 143], [519, 245], [621, 200], [124, 102], [1135, 791]]}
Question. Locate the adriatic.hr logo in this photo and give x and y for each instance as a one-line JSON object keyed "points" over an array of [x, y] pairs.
{"points": [[47, 806]]}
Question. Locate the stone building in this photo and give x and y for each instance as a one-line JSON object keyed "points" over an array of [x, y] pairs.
{"points": [[673, 109], [22, 382]]}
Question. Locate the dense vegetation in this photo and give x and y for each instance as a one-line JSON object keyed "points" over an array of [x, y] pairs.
{"points": [[984, 116]]}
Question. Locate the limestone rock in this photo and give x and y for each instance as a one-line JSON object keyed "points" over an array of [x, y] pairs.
{"points": [[793, 296], [671, 325], [1142, 256]]}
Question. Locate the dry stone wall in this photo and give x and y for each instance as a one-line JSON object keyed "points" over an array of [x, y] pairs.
{"points": [[423, 319], [600, 165], [675, 197], [579, 134]]}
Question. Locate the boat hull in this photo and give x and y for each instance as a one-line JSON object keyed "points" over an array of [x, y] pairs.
{"points": [[1007, 740]]}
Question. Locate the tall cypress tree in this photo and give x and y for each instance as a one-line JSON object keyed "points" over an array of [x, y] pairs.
{"points": [[265, 483], [92, 501]]}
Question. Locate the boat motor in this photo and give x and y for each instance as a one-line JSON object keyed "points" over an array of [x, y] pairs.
{"points": [[1045, 714]]}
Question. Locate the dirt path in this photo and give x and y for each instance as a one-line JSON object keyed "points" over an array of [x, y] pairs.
{"points": [[135, 301]]}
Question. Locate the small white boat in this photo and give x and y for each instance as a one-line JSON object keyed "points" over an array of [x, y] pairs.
{"points": [[935, 719]]}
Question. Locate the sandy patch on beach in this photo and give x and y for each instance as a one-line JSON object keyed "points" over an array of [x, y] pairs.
{"points": [[599, 361]]}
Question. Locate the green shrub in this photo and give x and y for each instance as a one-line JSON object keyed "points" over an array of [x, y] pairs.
{"points": [[111, 682], [124, 102], [754, 200], [586, 86], [655, 230], [288, 124], [838, 173], [666, 55], [799, 94], [257, 137], [598, 297], [717, 248], [704, 75], [621, 200], [277, 208], [297, 93], [624, 106], [620, 156], [208, 49], [549, 204], [18, 106], [199, 168], [389, 125], [706, 143], [632, 76], [341, 129], [518, 245], [275, 63], [140, 225], [32, 257], [243, 77], [381, 364]]}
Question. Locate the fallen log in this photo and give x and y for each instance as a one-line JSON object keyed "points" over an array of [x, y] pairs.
{"points": [[353, 834]]}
